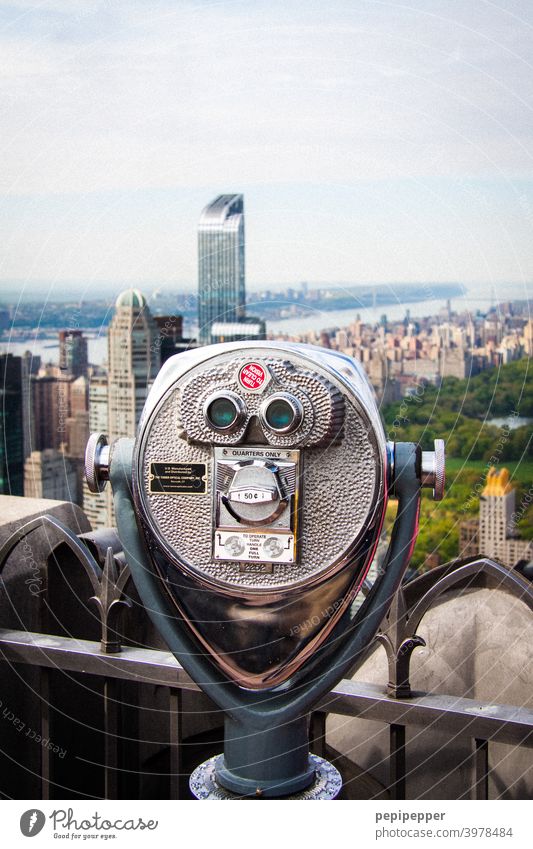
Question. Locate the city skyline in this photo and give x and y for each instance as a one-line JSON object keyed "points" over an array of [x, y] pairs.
{"points": [[405, 360], [373, 142], [266, 484]]}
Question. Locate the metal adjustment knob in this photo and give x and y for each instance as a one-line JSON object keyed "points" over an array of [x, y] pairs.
{"points": [[433, 470], [390, 466], [97, 462]]}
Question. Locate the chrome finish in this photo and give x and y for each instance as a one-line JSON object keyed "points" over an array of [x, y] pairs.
{"points": [[433, 470], [390, 465], [240, 411], [261, 612], [245, 495], [96, 468], [310, 385], [293, 403], [253, 505]]}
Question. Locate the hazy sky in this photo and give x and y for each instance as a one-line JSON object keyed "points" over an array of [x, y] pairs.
{"points": [[372, 140]]}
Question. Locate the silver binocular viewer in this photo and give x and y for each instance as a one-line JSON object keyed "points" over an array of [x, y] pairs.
{"points": [[250, 506]]}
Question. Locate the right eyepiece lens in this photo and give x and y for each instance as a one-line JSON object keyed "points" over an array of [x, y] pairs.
{"points": [[279, 414], [222, 413], [282, 414]]}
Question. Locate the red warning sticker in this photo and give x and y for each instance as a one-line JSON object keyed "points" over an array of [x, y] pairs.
{"points": [[252, 376]]}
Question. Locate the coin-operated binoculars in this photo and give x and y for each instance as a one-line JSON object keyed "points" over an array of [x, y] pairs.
{"points": [[250, 506]]}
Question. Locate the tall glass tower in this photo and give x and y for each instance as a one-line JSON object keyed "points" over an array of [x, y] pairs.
{"points": [[11, 426], [221, 287]]}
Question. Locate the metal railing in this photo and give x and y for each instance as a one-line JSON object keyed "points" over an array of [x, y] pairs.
{"points": [[394, 705]]}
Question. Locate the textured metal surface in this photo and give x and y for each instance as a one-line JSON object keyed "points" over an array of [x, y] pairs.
{"points": [[327, 784], [433, 469], [96, 462], [261, 619], [341, 486], [322, 403]]}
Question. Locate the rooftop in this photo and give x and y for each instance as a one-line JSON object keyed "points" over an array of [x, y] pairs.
{"points": [[132, 299], [497, 482], [222, 208]]}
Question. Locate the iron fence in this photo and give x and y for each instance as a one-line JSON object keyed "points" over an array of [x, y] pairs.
{"points": [[120, 666]]}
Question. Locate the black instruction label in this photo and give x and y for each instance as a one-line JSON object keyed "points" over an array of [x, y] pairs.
{"points": [[186, 478]]}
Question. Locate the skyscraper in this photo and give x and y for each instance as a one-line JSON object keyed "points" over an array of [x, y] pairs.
{"points": [[77, 431], [133, 362], [73, 353], [50, 474], [49, 408], [498, 537], [115, 408], [221, 282], [496, 534], [30, 368], [96, 505], [11, 426]]}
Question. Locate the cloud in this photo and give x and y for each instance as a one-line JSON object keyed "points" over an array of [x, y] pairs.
{"points": [[138, 98], [194, 88]]}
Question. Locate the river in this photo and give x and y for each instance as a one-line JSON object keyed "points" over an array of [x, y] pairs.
{"points": [[317, 320]]}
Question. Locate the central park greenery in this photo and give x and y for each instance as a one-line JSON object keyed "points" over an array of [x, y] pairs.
{"points": [[462, 412]]}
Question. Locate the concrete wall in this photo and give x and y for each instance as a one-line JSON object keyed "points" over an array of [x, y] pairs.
{"points": [[478, 645]]}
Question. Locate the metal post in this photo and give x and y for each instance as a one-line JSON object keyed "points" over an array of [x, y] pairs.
{"points": [[45, 732], [175, 715], [268, 762], [397, 761], [482, 769], [111, 739], [129, 750], [317, 733]]}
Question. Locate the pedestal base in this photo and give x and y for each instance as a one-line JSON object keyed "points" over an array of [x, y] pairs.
{"points": [[327, 783]]}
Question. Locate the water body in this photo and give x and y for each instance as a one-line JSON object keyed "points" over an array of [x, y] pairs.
{"points": [[473, 300], [512, 422], [49, 352]]}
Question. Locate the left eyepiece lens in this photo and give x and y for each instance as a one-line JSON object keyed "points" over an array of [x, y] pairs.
{"points": [[224, 412]]}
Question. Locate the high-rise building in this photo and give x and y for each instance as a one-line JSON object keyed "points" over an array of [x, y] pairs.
{"points": [[73, 353], [221, 281], [79, 395], [77, 430], [115, 405], [170, 339], [496, 535], [30, 368], [95, 505], [49, 408], [133, 362], [50, 474], [238, 331], [11, 426]]}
